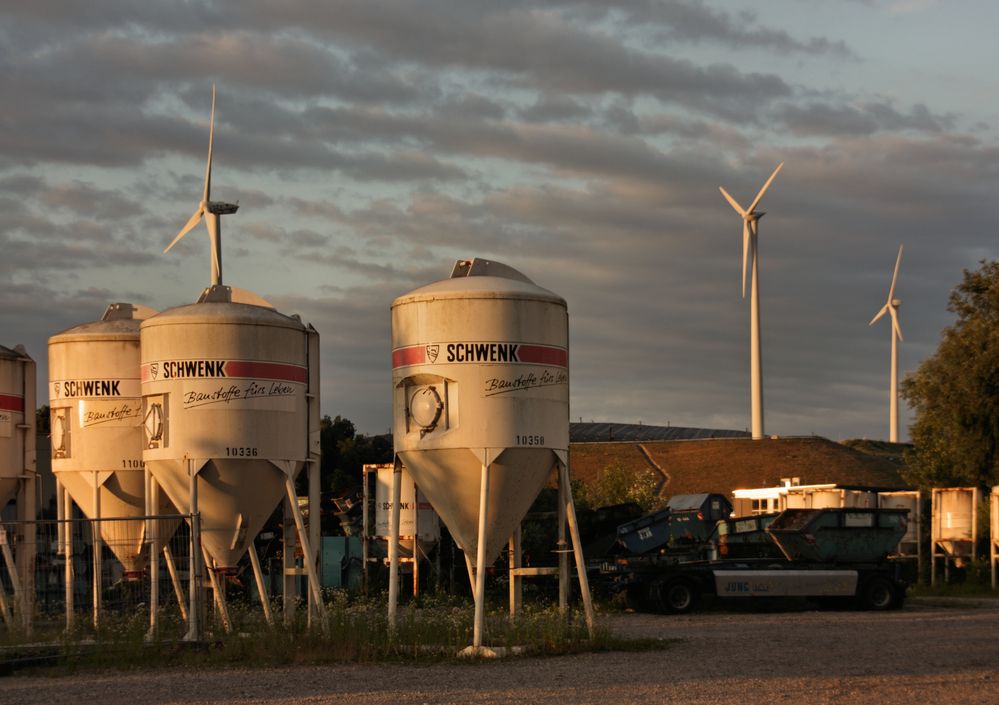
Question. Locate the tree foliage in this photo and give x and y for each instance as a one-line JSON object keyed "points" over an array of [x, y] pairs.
{"points": [[344, 451], [955, 393], [616, 484]]}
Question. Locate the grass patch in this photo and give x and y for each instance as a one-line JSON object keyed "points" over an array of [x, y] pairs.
{"points": [[432, 629]]}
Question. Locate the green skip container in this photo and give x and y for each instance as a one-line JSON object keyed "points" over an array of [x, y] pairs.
{"points": [[852, 535]]}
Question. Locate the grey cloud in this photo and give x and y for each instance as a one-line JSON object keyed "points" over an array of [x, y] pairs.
{"points": [[860, 119]]}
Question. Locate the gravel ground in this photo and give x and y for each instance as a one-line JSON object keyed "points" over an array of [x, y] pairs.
{"points": [[922, 654]]}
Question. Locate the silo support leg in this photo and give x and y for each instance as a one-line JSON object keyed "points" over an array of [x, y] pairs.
{"points": [[66, 533], [98, 546], [561, 549], [303, 537], [258, 575], [480, 561], [152, 534], [4, 607], [178, 589], [15, 580], [194, 582], [220, 604], [393, 545], [577, 548], [516, 580]]}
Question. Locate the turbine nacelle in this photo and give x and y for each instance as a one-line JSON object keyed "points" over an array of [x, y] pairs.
{"points": [[750, 219], [892, 304]]}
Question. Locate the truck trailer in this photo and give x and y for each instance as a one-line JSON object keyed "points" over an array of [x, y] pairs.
{"points": [[830, 556]]}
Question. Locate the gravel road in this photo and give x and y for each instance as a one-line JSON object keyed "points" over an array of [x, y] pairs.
{"points": [[922, 654]]}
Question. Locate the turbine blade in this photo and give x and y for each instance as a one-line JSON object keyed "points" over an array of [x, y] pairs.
{"points": [[745, 254], [732, 202], [187, 228], [894, 321], [763, 190], [879, 314], [211, 137], [894, 277]]}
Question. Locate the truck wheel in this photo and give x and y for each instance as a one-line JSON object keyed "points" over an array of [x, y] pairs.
{"points": [[676, 596], [878, 594]]}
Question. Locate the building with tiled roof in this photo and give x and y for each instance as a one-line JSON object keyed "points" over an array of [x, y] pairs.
{"points": [[722, 463]]}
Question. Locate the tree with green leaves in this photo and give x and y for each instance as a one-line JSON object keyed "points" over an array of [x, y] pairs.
{"points": [[955, 393]]}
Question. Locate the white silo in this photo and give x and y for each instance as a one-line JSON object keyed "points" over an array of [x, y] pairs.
{"points": [[954, 531], [17, 422], [17, 471], [481, 402], [230, 393], [96, 420], [225, 390]]}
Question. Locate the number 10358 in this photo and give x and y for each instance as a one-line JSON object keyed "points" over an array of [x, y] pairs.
{"points": [[530, 440]]}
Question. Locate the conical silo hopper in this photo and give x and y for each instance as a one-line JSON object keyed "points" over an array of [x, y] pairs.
{"points": [[480, 371], [17, 422], [96, 420], [226, 398]]}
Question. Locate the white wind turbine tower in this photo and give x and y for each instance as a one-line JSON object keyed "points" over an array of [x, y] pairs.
{"points": [[891, 307], [214, 210], [750, 230]]}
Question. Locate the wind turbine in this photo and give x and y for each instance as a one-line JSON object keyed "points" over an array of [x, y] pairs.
{"points": [[211, 211], [750, 230], [891, 307]]}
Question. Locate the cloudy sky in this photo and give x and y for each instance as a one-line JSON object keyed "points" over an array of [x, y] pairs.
{"points": [[371, 143]]}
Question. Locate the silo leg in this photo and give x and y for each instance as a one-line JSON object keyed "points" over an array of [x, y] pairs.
{"points": [[66, 532], [258, 575], [178, 589], [98, 567], [152, 533], [220, 605], [516, 580], [562, 550], [393, 546], [303, 537], [584, 584], [15, 580], [480, 561], [194, 567]]}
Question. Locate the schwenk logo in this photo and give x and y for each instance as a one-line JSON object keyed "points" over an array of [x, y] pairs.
{"points": [[432, 352], [154, 369], [57, 385]]}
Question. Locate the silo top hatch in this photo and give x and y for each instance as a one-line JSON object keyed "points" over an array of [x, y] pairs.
{"points": [[8, 354], [481, 279], [223, 314], [119, 322]]}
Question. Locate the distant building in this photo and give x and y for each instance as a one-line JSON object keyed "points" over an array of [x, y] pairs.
{"points": [[692, 461]]}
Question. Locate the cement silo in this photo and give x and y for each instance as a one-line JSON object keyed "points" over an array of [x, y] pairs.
{"points": [[17, 477], [225, 390], [954, 531], [17, 424], [230, 412], [96, 418], [481, 401]]}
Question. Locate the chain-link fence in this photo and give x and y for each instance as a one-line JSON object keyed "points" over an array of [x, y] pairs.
{"points": [[75, 573]]}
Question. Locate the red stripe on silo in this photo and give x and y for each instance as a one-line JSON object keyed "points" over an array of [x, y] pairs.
{"points": [[8, 402], [543, 355], [412, 355], [266, 370]]}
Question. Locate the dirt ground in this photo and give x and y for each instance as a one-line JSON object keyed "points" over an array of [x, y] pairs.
{"points": [[922, 654]]}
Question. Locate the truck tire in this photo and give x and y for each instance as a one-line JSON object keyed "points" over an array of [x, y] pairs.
{"points": [[676, 596], [878, 594]]}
